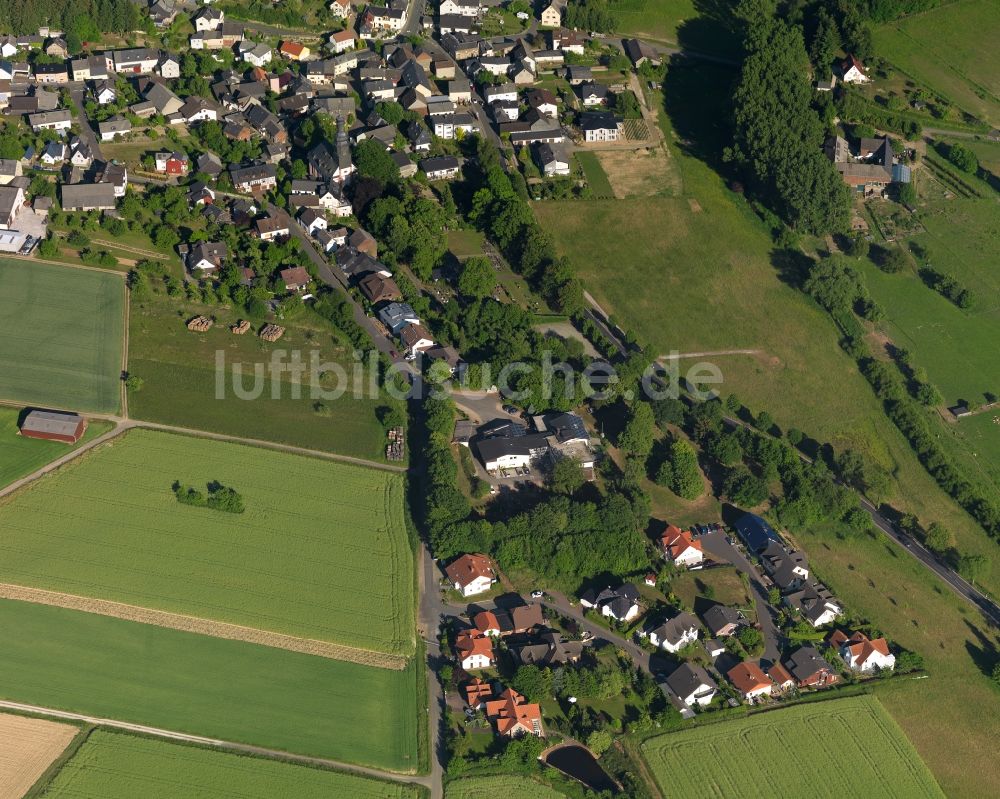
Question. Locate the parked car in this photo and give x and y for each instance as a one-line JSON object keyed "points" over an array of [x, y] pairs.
{"points": [[511, 409], [537, 594]]}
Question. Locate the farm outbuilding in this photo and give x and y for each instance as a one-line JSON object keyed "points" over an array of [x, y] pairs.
{"points": [[54, 426]]}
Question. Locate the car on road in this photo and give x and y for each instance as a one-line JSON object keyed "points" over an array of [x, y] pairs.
{"points": [[511, 409]]}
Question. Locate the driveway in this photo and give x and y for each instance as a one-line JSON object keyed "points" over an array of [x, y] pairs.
{"points": [[86, 131], [716, 545]]}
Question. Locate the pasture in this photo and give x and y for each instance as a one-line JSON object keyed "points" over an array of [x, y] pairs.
{"points": [[182, 385], [465, 244], [953, 50], [508, 785], [823, 749], [321, 551], [208, 686], [22, 456], [63, 331], [112, 765], [28, 747], [955, 346]]}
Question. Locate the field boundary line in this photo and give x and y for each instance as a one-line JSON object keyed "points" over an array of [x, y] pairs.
{"points": [[31, 259], [217, 743], [195, 624]]}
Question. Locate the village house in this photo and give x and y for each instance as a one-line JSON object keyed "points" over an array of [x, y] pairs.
{"points": [[207, 256], [111, 128], [787, 569], [342, 41], [815, 604], [471, 574], [93, 67], [137, 61], [599, 126], [295, 279], [514, 716], [592, 94], [10, 168], [442, 167], [377, 289], [755, 533], [551, 16], [340, 9], [59, 121], [552, 160], [53, 154], [104, 92], [809, 669], [176, 163], [209, 19], [621, 603], [270, 228], [294, 51], [311, 220], [692, 685], [680, 548], [51, 73], [750, 681], [11, 202], [415, 339], [254, 178], [473, 650], [87, 196], [674, 634], [853, 71], [861, 653], [722, 620], [547, 648]]}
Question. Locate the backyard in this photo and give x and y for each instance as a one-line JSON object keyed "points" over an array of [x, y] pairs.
{"points": [[113, 765], [321, 551], [63, 332]]}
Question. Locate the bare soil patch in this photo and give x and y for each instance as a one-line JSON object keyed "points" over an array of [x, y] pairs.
{"points": [[640, 173], [192, 624], [28, 747]]}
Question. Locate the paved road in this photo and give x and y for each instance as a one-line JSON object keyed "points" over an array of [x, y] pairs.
{"points": [[961, 586], [432, 609], [86, 131], [216, 743], [720, 549]]}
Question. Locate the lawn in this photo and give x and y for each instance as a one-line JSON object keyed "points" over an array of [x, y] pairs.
{"points": [[596, 177], [465, 243], [321, 551], [507, 785], [62, 336], [952, 49], [22, 456], [112, 765], [181, 381], [724, 585], [825, 749], [208, 686]]}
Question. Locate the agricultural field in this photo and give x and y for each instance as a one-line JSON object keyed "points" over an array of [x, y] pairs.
{"points": [[321, 551], [63, 333], [22, 456], [953, 50], [491, 787], [673, 21], [823, 749], [208, 686], [29, 746], [112, 765], [640, 173], [182, 387]]}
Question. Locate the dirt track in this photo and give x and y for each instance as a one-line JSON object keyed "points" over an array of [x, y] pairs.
{"points": [[192, 624]]}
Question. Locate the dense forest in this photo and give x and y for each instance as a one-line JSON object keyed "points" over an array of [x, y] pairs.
{"points": [[81, 20]]}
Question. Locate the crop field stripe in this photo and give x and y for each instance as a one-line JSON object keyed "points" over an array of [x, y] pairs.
{"points": [[105, 667], [112, 765], [193, 624], [28, 746], [504, 786], [330, 560]]}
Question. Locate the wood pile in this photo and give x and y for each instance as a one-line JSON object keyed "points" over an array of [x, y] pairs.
{"points": [[394, 449], [272, 332], [240, 327], [200, 324]]}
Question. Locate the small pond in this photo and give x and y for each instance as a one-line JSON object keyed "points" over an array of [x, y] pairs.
{"points": [[579, 763]]}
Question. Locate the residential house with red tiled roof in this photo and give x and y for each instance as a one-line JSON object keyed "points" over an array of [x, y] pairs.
{"points": [[861, 653], [514, 716], [471, 574], [474, 650], [749, 679], [681, 548]]}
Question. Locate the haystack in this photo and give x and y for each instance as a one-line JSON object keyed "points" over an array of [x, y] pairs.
{"points": [[272, 332], [200, 324], [240, 327]]}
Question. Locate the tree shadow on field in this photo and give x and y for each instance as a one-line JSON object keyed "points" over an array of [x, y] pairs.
{"points": [[984, 652], [713, 30], [792, 266]]}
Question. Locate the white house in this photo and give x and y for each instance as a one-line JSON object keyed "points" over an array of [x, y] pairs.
{"points": [[169, 67], [342, 41], [861, 653], [464, 8], [553, 160], [209, 19], [340, 9], [416, 339], [551, 16], [621, 604], [116, 126], [853, 71], [471, 574], [505, 92], [674, 634], [680, 548], [104, 92], [749, 679], [692, 685], [474, 650], [311, 221], [599, 126], [816, 604], [258, 55], [60, 121]]}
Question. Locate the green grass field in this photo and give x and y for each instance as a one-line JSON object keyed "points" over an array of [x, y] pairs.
{"points": [[321, 551], [465, 243], [596, 177], [952, 49], [113, 765], [209, 686], [671, 21], [955, 346], [22, 456], [178, 368], [507, 785], [822, 749], [63, 333]]}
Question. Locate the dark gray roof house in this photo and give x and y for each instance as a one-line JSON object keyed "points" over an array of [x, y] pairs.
{"points": [[722, 620]]}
